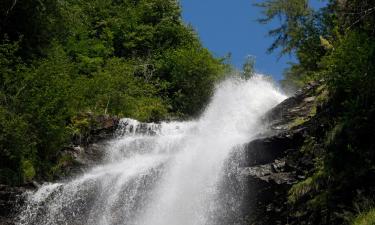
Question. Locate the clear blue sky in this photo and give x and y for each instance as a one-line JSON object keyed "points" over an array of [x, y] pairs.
{"points": [[230, 26]]}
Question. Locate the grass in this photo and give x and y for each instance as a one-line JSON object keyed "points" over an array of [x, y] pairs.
{"points": [[305, 187], [298, 121], [366, 218]]}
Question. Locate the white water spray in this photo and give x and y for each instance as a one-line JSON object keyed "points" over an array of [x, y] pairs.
{"points": [[161, 174]]}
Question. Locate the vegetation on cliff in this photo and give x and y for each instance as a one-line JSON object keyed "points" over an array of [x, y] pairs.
{"points": [[335, 44], [62, 59]]}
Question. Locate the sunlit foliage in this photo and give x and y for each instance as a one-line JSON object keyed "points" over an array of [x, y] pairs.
{"points": [[59, 59]]}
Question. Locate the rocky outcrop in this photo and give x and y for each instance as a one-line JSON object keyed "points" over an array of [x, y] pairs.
{"points": [[87, 149], [96, 129], [274, 163]]}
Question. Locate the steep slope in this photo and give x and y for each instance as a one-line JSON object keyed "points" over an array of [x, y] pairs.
{"points": [[274, 162]]}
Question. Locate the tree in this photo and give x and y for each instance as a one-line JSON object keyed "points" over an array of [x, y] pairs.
{"points": [[293, 15], [248, 67], [301, 33], [60, 60]]}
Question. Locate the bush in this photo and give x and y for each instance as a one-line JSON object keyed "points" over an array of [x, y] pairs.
{"points": [[367, 218], [192, 73]]}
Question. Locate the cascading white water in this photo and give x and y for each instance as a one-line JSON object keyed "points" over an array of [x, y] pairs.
{"points": [[160, 174]]}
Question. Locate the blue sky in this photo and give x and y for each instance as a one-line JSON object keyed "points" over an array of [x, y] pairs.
{"points": [[230, 26]]}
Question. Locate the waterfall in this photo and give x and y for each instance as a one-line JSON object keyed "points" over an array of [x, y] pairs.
{"points": [[170, 173]]}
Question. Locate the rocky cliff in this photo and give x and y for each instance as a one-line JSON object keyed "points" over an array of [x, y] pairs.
{"points": [[276, 161]]}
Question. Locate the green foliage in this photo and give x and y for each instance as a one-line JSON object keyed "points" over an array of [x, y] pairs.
{"points": [[336, 45], [27, 170], [298, 121], [367, 218], [355, 68], [115, 90], [307, 186], [192, 73], [297, 24], [59, 169], [303, 32], [248, 69], [79, 126], [34, 22], [63, 59], [16, 143]]}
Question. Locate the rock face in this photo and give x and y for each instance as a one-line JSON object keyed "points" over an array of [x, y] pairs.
{"points": [[99, 128], [272, 164], [88, 149]]}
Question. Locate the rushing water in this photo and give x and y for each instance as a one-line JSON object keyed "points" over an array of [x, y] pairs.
{"points": [[172, 173]]}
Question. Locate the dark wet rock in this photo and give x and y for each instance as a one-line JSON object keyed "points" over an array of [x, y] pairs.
{"points": [[136, 127], [88, 148], [300, 105], [266, 150], [272, 172], [100, 128], [11, 198], [274, 162], [80, 158], [104, 129]]}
